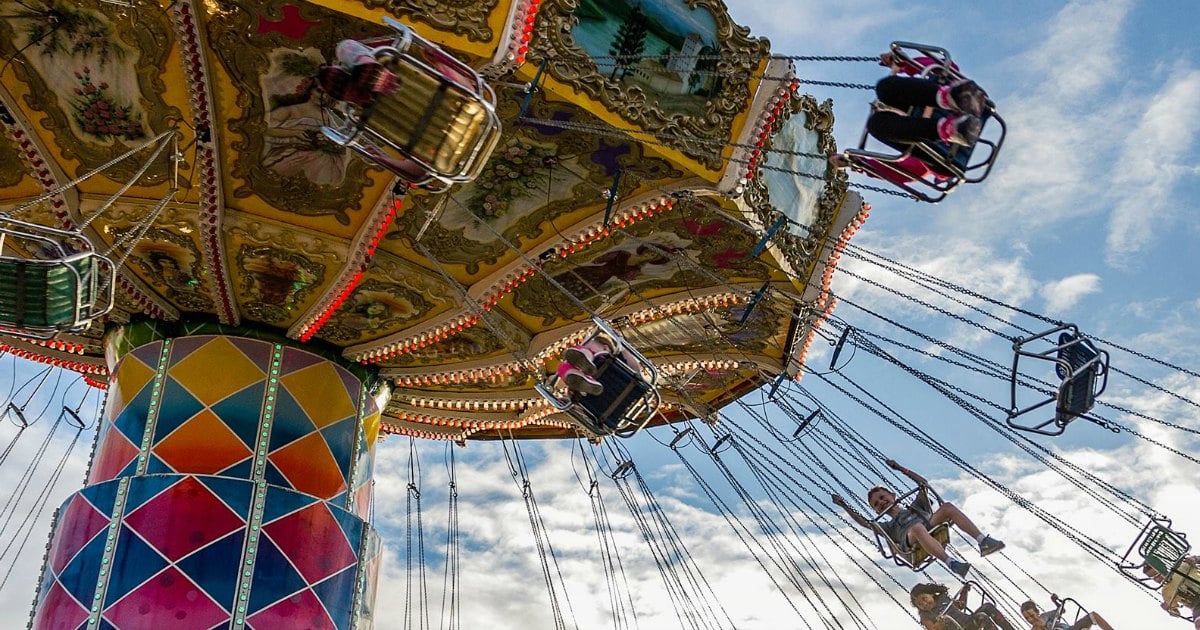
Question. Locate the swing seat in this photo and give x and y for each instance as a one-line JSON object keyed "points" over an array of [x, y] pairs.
{"points": [[63, 288], [437, 129], [961, 164], [916, 558], [1082, 370], [1158, 547], [629, 400]]}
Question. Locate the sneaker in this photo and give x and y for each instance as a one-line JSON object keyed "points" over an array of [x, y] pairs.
{"points": [[958, 567], [581, 360], [584, 384], [989, 546], [963, 130], [965, 96]]}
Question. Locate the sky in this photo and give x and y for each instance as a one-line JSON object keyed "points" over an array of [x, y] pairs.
{"points": [[1088, 217]]}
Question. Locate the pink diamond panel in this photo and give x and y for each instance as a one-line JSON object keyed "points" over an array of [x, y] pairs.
{"points": [[167, 600]]}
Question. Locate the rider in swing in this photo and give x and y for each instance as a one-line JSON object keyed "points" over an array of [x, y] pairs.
{"points": [[908, 526]]}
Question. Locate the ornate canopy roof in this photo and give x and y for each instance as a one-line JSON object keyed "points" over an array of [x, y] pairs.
{"points": [[277, 230]]}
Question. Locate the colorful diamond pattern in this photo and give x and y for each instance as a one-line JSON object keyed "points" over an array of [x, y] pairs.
{"points": [[309, 466], [215, 370], [202, 445], [59, 611], [180, 546], [320, 391], [167, 600], [113, 453], [182, 537], [298, 533], [182, 519], [80, 522], [300, 610]]}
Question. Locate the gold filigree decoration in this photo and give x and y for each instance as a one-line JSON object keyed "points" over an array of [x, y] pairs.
{"points": [[535, 176], [278, 267], [139, 46], [801, 251], [468, 18], [687, 249], [395, 294], [739, 53]]}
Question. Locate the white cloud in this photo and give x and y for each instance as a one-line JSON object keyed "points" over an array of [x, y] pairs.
{"points": [[1061, 295], [1154, 157]]}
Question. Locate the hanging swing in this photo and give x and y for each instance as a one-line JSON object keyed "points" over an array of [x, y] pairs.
{"points": [[1082, 370], [950, 164], [980, 613], [1157, 555], [1067, 613], [407, 105], [916, 558], [53, 280], [630, 396]]}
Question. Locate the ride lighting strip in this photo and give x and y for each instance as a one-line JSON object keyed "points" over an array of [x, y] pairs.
{"points": [[110, 550], [577, 242], [486, 406], [75, 366], [211, 209], [160, 373], [826, 302], [765, 127], [362, 252], [505, 370], [516, 40], [254, 524], [360, 441]]}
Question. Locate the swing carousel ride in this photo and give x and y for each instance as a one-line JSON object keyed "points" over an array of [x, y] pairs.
{"points": [[265, 275], [203, 251]]}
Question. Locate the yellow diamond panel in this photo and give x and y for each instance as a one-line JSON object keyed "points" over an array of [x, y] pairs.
{"points": [[132, 376], [216, 370], [321, 393]]}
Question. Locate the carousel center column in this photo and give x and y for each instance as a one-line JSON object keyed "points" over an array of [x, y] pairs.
{"points": [[230, 484]]}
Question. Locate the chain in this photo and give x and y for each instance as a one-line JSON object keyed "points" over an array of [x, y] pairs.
{"points": [[626, 133], [838, 84], [850, 58], [74, 182]]}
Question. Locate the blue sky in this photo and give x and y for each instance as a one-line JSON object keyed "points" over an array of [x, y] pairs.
{"points": [[1089, 217]]}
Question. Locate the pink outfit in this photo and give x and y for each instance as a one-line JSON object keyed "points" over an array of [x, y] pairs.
{"points": [[918, 65], [916, 169]]}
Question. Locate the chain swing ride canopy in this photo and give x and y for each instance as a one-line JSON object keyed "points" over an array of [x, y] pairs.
{"points": [[276, 232], [279, 301]]}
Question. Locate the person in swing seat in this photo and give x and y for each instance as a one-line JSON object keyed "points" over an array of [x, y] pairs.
{"points": [[580, 364], [1182, 589], [358, 77], [937, 610], [951, 111], [1039, 620], [908, 526]]}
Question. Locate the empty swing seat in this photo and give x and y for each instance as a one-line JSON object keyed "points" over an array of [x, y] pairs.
{"points": [[1082, 370], [437, 129], [1078, 393], [62, 289]]}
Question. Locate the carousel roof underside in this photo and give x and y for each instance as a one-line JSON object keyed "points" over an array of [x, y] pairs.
{"points": [[274, 228]]}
